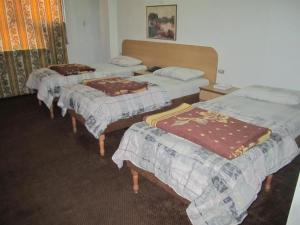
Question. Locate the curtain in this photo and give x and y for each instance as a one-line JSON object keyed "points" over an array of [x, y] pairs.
{"points": [[32, 36]]}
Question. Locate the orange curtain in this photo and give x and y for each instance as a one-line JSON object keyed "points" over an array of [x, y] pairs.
{"points": [[32, 36]]}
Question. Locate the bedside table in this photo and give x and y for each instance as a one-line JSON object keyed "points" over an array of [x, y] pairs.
{"points": [[140, 72], [209, 92]]}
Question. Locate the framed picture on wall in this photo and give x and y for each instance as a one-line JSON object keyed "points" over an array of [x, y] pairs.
{"points": [[161, 22]]}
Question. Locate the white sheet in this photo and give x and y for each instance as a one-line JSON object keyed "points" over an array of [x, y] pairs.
{"points": [[175, 88]]}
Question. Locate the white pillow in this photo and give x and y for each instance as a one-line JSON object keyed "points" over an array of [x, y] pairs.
{"points": [[270, 94], [179, 73], [123, 60]]}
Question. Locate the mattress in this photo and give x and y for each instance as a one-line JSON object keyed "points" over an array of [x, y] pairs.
{"points": [[174, 88]]}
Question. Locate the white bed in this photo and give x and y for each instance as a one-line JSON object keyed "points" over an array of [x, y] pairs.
{"points": [[36, 76], [48, 83], [219, 190]]}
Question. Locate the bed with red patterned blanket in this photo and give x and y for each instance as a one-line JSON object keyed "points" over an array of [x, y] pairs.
{"points": [[217, 132], [219, 190]]}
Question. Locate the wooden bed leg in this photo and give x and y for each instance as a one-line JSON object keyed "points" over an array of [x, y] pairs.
{"points": [[135, 181], [74, 124], [40, 102], [51, 112], [101, 144], [268, 183]]}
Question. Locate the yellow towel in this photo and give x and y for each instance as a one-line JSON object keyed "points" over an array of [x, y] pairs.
{"points": [[155, 118]]}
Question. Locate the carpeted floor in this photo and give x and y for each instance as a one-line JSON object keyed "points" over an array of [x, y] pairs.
{"points": [[49, 176]]}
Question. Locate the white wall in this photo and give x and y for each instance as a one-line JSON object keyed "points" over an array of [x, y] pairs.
{"points": [[257, 41], [87, 31], [113, 28]]}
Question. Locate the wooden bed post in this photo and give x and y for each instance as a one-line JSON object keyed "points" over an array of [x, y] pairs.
{"points": [[135, 180], [101, 144], [74, 124], [51, 112], [268, 183]]}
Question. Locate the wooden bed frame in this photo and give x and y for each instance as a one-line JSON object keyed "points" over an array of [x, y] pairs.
{"points": [[135, 172], [168, 54], [51, 109], [161, 54]]}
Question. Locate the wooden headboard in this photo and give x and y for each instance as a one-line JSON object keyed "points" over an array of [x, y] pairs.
{"points": [[168, 54]]}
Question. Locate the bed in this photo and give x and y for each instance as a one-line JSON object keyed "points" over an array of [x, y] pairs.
{"points": [[152, 54], [48, 83], [218, 190]]}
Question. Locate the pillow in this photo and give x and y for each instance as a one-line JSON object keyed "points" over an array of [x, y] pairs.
{"points": [[179, 73], [123, 60], [270, 94]]}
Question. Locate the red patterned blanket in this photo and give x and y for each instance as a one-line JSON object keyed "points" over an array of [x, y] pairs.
{"points": [[214, 131], [115, 86], [71, 69]]}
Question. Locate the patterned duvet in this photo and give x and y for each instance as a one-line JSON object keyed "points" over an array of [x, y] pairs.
{"points": [[220, 190], [99, 109]]}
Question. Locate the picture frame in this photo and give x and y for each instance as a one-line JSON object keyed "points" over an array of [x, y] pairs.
{"points": [[161, 22]]}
